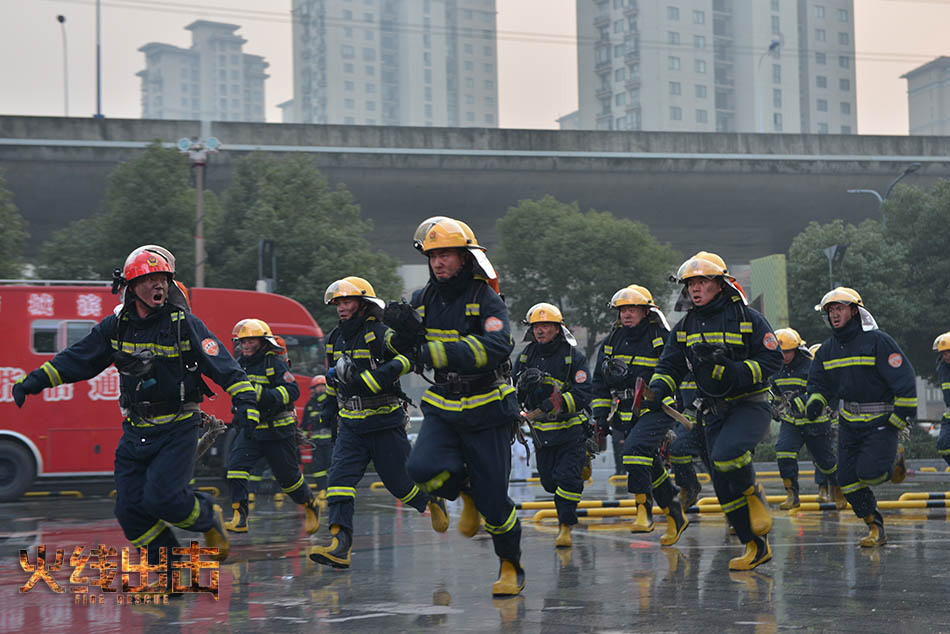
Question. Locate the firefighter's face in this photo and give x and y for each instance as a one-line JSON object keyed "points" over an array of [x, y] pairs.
{"points": [[788, 355], [545, 331], [151, 289], [839, 314], [702, 290], [945, 355], [250, 345], [346, 307], [445, 262], [630, 316], [319, 389]]}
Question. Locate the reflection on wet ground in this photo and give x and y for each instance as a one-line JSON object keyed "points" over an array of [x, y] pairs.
{"points": [[406, 578]]}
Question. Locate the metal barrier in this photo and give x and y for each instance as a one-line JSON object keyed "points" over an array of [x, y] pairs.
{"points": [[53, 494], [622, 479]]}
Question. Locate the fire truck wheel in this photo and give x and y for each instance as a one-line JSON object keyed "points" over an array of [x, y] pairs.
{"points": [[17, 470]]}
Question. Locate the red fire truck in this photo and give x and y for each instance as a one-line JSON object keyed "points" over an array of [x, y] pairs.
{"points": [[73, 430]]}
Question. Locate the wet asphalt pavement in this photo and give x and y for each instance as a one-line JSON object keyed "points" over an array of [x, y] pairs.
{"points": [[406, 578]]}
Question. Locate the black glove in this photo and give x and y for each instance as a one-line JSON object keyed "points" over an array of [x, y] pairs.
{"points": [[906, 413], [708, 354], [602, 425], [660, 390], [28, 385], [423, 356], [241, 420], [814, 409], [547, 406]]}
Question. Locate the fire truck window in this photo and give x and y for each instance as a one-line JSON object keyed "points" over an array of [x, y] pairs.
{"points": [[305, 353], [74, 331], [43, 336]]}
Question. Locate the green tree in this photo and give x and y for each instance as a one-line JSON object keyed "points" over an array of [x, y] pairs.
{"points": [[13, 235], [550, 251], [873, 265], [318, 231], [149, 200], [919, 219]]}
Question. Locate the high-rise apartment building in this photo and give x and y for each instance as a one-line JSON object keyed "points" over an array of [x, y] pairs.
{"points": [[716, 65], [393, 62], [928, 97], [213, 79]]}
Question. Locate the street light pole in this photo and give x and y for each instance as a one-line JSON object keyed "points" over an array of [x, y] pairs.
{"points": [[98, 114], [773, 46], [910, 169], [62, 27], [197, 151]]}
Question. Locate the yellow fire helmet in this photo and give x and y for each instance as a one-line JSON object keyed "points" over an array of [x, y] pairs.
{"points": [[352, 286], [789, 339], [442, 232], [942, 342], [247, 328], [706, 264], [845, 295], [636, 295], [546, 313], [813, 349]]}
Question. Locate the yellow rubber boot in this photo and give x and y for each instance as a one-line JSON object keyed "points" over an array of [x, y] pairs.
{"points": [[564, 537], [644, 521], [510, 579], [217, 536], [876, 535], [469, 521], [311, 515], [676, 523], [824, 495], [337, 554], [791, 495], [838, 496], [756, 552], [438, 514], [759, 518], [238, 523]]}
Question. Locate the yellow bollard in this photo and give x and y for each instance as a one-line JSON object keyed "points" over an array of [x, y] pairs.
{"points": [[376, 485], [917, 495]]}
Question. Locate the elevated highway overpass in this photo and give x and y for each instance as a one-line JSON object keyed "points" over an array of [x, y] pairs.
{"points": [[744, 195]]}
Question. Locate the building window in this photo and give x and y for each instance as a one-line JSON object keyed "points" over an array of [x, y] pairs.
{"points": [[673, 37], [620, 74], [487, 51], [820, 58], [371, 105], [821, 105], [701, 66], [619, 50], [674, 63], [369, 70], [845, 107], [676, 88], [845, 129], [821, 81], [428, 110], [776, 73], [470, 83], [489, 101], [488, 68], [347, 14], [469, 49], [844, 39], [822, 128], [844, 61], [619, 26], [490, 118], [776, 97], [371, 88], [676, 113], [844, 84], [347, 52], [774, 5], [776, 26], [348, 32], [428, 93], [347, 67], [700, 91], [369, 35], [699, 41], [349, 104], [819, 12], [702, 116], [842, 15], [777, 121], [470, 99], [489, 84], [348, 85], [672, 13], [699, 17], [819, 35], [470, 116], [620, 99], [468, 65], [369, 54]]}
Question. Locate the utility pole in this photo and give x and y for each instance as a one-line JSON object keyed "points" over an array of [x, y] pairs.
{"points": [[197, 151]]}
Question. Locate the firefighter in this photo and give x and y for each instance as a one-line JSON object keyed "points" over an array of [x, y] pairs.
{"points": [[629, 351], [788, 407], [732, 351], [161, 351], [319, 431], [942, 348], [553, 382], [866, 369], [688, 445], [274, 436], [366, 395], [471, 412], [647, 478]]}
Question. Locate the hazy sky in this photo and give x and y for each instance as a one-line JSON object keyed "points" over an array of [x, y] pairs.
{"points": [[537, 58]]}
